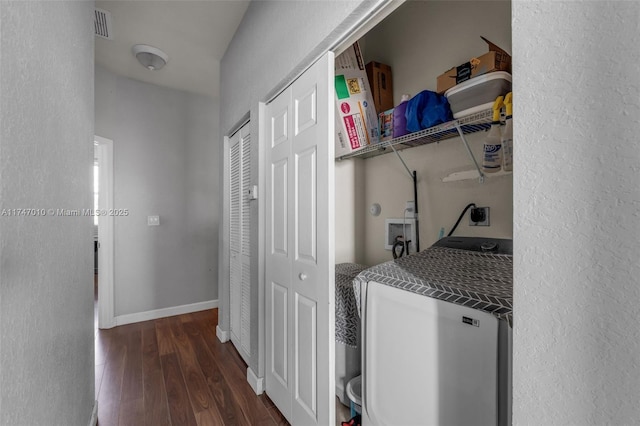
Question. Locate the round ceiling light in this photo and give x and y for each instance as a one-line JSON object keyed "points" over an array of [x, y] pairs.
{"points": [[150, 57]]}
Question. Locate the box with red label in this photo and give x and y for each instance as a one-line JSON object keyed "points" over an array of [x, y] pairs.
{"points": [[356, 117]]}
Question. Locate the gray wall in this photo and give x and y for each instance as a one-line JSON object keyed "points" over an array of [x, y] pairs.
{"points": [[576, 230], [46, 263], [274, 37], [165, 163]]}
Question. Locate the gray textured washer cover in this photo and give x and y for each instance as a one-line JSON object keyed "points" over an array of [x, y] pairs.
{"points": [[347, 317], [482, 281]]}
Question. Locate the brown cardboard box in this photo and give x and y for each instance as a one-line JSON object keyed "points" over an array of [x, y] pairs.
{"points": [[379, 76], [495, 60]]}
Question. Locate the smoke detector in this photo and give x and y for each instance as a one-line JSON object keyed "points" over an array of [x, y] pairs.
{"points": [[150, 57]]}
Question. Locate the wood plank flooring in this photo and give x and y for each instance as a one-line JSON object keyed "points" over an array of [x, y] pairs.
{"points": [[175, 372]]}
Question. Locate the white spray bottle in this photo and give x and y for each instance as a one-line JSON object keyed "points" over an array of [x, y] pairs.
{"points": [[492, 157], [507, 135]]}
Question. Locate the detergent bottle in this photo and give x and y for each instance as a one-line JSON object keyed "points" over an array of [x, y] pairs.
{"points": [[399, 119], [507, 135], [492, 152]]}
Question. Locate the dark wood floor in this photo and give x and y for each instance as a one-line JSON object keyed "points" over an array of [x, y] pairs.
{"points": [[174, 371]]}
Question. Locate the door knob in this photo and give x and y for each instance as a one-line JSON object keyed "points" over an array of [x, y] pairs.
{"points": [[302, 276]]}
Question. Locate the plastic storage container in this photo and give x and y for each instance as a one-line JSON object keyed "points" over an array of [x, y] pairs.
{"points": [[478, 94]]}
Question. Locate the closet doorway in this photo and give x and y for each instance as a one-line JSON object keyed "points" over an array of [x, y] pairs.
{"points": [[299, 256], [103, 151], [240, 197]]}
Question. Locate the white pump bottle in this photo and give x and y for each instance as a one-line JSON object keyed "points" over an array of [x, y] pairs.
{"points": [[507, 135], [492, 156]]}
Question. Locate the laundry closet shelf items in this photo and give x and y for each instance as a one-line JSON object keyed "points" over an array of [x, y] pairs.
{"points": [[477, 122]]}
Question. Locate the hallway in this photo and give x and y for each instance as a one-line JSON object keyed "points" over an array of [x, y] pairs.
{"points": [[174, 371]]}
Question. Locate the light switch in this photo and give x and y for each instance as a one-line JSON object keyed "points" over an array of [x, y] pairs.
{"points": [[253, 192], [153, 220]]}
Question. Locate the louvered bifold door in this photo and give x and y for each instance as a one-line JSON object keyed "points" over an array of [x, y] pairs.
{"points": [[245, 254], [240, 241], [235, 236]]}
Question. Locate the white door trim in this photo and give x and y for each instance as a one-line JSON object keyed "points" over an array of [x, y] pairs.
{"points": [[224, 322], [106, 290], [261, 235]]}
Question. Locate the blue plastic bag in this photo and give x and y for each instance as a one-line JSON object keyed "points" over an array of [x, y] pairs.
{"points": [[427, 109]]}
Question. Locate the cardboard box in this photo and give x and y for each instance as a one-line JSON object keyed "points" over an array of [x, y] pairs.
{"points": [[495, 60], [379, 76], [385, 122], [356, 117]]}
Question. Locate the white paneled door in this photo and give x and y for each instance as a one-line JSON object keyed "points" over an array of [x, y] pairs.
{"points": [[240, 241], [299, 252]]}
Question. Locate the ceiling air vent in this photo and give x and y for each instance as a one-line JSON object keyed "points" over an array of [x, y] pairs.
{"points": [[102, 24]]}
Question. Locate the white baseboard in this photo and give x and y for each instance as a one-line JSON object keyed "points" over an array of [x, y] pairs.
{"points": [[93, 421], [166, 312], [256, 383], [223, 335]]}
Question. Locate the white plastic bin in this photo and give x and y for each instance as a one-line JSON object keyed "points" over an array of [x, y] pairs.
{"points": [[478, 94], [354, 392]]}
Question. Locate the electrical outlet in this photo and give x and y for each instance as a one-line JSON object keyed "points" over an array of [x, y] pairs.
{"points": [[479, 216], [410, 209]]}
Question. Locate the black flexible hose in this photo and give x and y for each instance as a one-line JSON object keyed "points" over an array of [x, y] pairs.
{"points": [[460, 218], [397, 244]]}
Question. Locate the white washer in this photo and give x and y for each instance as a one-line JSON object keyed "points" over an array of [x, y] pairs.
{"points": [[431, 362]]}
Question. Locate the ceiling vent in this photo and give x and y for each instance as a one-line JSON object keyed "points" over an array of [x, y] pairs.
{"points": [[102, 24]]}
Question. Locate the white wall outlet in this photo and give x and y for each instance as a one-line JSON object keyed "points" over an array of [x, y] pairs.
{"points": [[153, 220]]}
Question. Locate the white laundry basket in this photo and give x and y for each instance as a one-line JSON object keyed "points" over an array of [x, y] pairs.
{"points": [[354, 392]]}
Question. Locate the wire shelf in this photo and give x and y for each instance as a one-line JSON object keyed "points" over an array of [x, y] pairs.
{"points": [[477, 122]]}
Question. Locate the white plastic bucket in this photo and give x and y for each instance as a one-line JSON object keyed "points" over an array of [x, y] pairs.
{"points": [[354, 392]]}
